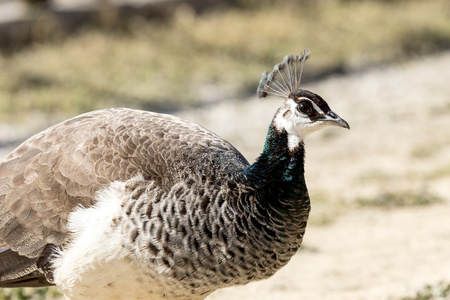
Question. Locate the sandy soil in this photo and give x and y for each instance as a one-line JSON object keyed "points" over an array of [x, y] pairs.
{"points": [[370, 254], [399, 142]]}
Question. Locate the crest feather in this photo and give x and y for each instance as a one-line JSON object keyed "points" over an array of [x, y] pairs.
{"points": [[285, 77]]}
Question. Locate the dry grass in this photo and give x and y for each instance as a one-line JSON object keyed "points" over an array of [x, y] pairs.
{"points": [[439, 291], [191, 59], [401, 199]]}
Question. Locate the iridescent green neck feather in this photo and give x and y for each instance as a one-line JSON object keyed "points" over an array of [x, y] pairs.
{"points": [[278, 173]]}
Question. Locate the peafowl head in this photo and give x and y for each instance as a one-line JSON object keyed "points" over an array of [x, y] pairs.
{"points": [[302, 111]]}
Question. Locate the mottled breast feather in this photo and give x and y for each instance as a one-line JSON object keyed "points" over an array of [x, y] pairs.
{"points": [[61, 168]]}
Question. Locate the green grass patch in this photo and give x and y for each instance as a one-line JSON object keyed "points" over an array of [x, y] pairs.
{"points": [[46, 293]]}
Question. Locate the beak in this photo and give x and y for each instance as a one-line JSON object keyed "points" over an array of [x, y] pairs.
{"points": [[334, 120]]}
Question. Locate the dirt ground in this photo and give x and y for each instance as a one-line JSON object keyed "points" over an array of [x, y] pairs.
{"points": [[398, 143], [370, 254]]}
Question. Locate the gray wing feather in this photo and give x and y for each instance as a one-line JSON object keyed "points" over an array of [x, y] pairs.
{"points": [[17, 270], [51, 173]]}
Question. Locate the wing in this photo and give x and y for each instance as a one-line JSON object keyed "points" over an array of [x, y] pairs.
{"points": [[45, 178], [17, 270]]}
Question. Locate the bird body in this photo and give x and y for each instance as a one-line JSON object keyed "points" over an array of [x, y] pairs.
{"points": [[128, 204]]}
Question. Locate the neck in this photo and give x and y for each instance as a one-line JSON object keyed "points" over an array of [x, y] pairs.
{"points": [[279, 164], [274, 204], [277, 178]]}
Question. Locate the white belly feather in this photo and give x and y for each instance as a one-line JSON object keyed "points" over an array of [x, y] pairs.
{"points": [[96, 265]]}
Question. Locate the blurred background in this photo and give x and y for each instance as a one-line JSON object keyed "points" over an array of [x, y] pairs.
{"points": [[380, 225]]}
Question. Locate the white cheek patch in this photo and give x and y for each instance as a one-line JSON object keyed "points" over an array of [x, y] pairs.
{"points": [[289, 119], [286, 115], [297, 125]]}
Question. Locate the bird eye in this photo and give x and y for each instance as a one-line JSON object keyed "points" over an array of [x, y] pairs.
{"points": [[304, 107]]}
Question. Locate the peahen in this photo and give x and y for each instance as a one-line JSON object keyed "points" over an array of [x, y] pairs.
{"points": [[130, 204]]}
